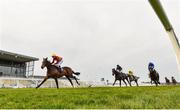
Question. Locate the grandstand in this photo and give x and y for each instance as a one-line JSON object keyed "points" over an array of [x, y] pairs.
{"points": [[17, 71], [13, 66], [16, 65]]}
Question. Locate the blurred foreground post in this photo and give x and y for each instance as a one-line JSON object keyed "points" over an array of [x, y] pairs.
{"points": [[156, 5]]}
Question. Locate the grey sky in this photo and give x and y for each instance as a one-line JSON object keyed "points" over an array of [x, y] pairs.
{"points": [[92, 35]]}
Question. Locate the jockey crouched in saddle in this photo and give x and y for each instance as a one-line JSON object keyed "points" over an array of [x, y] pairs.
{"points": [[118, 68], [130, 73], [57, 61], [151, 68]]}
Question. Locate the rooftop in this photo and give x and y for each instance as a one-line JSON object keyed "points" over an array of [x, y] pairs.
{"points": [[4, 55]]}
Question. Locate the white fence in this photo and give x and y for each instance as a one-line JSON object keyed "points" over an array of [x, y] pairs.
{"points": [[9, 82]]}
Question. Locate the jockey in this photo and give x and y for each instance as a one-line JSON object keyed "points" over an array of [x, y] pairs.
{"points": [[153, 72], [57, 61], [130, 72], [151, 66], [118, 68]]}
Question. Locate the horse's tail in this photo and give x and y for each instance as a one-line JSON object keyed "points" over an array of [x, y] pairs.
{"points": [[76, 73]]}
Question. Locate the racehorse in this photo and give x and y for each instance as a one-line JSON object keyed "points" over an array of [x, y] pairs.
{"points": [[120, 76], [173, 81], [55, 73], [133, 78], [154, 76], [167, 81]]}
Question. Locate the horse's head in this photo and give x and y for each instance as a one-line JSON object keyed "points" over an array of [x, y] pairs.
{"points": [[44, 63], [113, 71], [151, 70]]}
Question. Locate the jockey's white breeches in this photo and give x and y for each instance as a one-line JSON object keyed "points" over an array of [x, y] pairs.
{"points": [[59, 64]]}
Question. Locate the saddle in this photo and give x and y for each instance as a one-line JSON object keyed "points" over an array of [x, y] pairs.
{"points": [[59, 68]]}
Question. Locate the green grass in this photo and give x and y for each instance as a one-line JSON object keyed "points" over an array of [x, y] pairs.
{"points": [[164, 97]]}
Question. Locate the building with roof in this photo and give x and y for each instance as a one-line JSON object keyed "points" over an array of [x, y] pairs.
{"points": [[16, 65]]}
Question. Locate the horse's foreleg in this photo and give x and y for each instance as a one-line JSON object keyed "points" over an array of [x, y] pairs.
{"points": [[70, 81], [42, 82], [114, 82], [136, 82], [156, 83], [129, 83], [151, 81], [56, 80]]}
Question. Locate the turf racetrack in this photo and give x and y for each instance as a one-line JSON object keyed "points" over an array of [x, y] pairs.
{"points": [[96, 97]]}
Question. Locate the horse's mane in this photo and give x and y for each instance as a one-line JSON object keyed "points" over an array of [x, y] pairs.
{"points": [[47, 61], [115, 71]]}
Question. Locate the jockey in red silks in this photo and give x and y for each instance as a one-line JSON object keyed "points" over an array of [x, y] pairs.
{"points": [[57, 61]]}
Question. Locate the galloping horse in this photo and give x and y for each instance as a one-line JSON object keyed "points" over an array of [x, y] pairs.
{"points": [[154, 76], [167, 81], [133, 78], [120, 76], [53, 72], [173, 81]]}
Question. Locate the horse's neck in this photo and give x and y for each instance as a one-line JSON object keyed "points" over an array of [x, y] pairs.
{"points": [[121, 73], [49, 66], [117, 73], [154, 71], [52, 67]]}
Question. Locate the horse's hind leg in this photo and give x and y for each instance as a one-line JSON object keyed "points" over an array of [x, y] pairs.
{"points": [[42, 82], [136, 82], [120, 83], [70, 81], [124, 82], [56, 82], [76, 80]]}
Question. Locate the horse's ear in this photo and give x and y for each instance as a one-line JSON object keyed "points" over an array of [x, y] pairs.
{"points": [[45, 58]]}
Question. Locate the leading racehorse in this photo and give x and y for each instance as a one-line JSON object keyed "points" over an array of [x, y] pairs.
{"points": [[154, 76], [53, 72]]}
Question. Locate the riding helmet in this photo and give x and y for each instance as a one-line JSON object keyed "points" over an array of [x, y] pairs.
{"points": [[151, 65]]}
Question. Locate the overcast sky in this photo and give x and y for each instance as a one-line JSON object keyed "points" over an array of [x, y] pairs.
{"points": [[93, 36]]}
